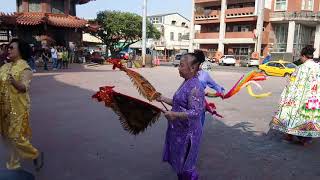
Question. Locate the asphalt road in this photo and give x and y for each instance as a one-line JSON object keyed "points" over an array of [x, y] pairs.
{"points": [[83, 140]]}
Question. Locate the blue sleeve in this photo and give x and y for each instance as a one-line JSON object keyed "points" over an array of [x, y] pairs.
{"points": [[212, 84]]}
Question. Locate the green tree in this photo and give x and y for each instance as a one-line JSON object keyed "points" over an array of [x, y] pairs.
{"points": [[119, 26]]}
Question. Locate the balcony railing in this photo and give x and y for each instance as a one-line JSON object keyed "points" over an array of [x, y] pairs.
{"points": [[205, 1], [301, 16], [231, 35], [159, 43], [208, 35], [240, 12], [207, 15], [215, 35]]}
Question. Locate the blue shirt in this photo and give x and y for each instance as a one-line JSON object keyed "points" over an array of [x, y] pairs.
{"points": [[206, 80], [266, 59]]}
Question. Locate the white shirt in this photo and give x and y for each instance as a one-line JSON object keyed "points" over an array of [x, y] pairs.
{"points": [[54, 53]]}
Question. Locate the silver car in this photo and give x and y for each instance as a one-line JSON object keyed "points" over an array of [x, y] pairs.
{"points": [[207, 65], [176, 60], [250, 62]]}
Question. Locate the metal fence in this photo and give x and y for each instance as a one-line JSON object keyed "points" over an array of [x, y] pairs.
{"points": [[297, 15]]}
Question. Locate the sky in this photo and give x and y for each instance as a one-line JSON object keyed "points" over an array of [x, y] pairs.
{"points": [[89, 10]]}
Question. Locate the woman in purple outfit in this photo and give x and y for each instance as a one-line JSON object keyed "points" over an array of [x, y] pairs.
{"points": [[184, 127]]}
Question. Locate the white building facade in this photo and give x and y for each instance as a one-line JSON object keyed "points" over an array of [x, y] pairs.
{"points": [[175, 33]]}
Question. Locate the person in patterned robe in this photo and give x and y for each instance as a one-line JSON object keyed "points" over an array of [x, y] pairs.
{"points": [[298, 115]]}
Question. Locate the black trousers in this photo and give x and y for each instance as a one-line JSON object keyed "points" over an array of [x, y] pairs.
{"points": [[65, 64]]}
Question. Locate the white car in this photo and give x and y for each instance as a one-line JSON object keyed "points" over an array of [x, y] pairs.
{"points": [[227, 60], [253, 62], [250, 62]]}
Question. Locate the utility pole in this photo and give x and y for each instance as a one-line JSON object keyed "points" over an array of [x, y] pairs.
{"points": [[260, 20], [144, 32], [191, 38], [222, 30]]}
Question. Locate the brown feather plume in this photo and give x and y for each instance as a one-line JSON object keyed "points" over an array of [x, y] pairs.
{"points": [[144, 87], [135, 115]]}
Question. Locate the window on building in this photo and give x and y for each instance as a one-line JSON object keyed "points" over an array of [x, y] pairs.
{"points": [[235, 28], [304, 35], [245, 28], [213, 8], [213, 28], [241, 5], [57, 6], [179, 37], [241, 51], [34, 5], [155, 20], [280, 5], [4, 36], [172, 36], [173, 22], [281, 36], [186, 36], [183, 24], [307, 5], [239, 28], [19, 5]]}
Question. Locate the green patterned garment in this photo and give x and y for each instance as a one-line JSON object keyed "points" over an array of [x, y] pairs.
{"points": [[299, 107]]}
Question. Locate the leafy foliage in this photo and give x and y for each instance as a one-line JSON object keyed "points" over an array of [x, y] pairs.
{"points": [[121, 29]]}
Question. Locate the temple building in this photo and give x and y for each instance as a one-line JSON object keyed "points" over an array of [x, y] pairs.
{"points": [[44, 22]]}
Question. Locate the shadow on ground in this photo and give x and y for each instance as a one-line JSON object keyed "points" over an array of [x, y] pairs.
{"points": [[83, 140], [239, 152]]}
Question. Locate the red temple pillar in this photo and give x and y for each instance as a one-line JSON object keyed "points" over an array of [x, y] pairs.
{"points": [[25, 6], [46, 6], [67, 7]]}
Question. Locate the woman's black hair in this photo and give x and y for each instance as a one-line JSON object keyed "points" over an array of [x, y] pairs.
{"points": [[308, 52], [23, 48], [199, 57]]}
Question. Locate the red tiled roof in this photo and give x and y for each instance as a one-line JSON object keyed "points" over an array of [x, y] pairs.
{"points": [[31, 19], [66, 21], [92, 27], [9, 19]]}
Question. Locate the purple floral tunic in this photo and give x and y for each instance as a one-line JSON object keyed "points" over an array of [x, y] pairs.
{"points": [[183, 136]]}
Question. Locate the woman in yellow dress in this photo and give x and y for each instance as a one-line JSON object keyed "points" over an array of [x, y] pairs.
{"points": [[15, 78]]}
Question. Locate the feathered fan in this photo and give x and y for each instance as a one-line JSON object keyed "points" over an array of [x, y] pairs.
{"points": [[135, 115], [144, 86]]}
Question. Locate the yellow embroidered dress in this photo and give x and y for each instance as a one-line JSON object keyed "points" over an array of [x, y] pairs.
{"points": [[14, 113]]}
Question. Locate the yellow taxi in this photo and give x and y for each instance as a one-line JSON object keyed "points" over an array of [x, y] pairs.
{"points": [[278, 68]]}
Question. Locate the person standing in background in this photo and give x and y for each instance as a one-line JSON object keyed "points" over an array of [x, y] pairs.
{"points": [[54, 57]]}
